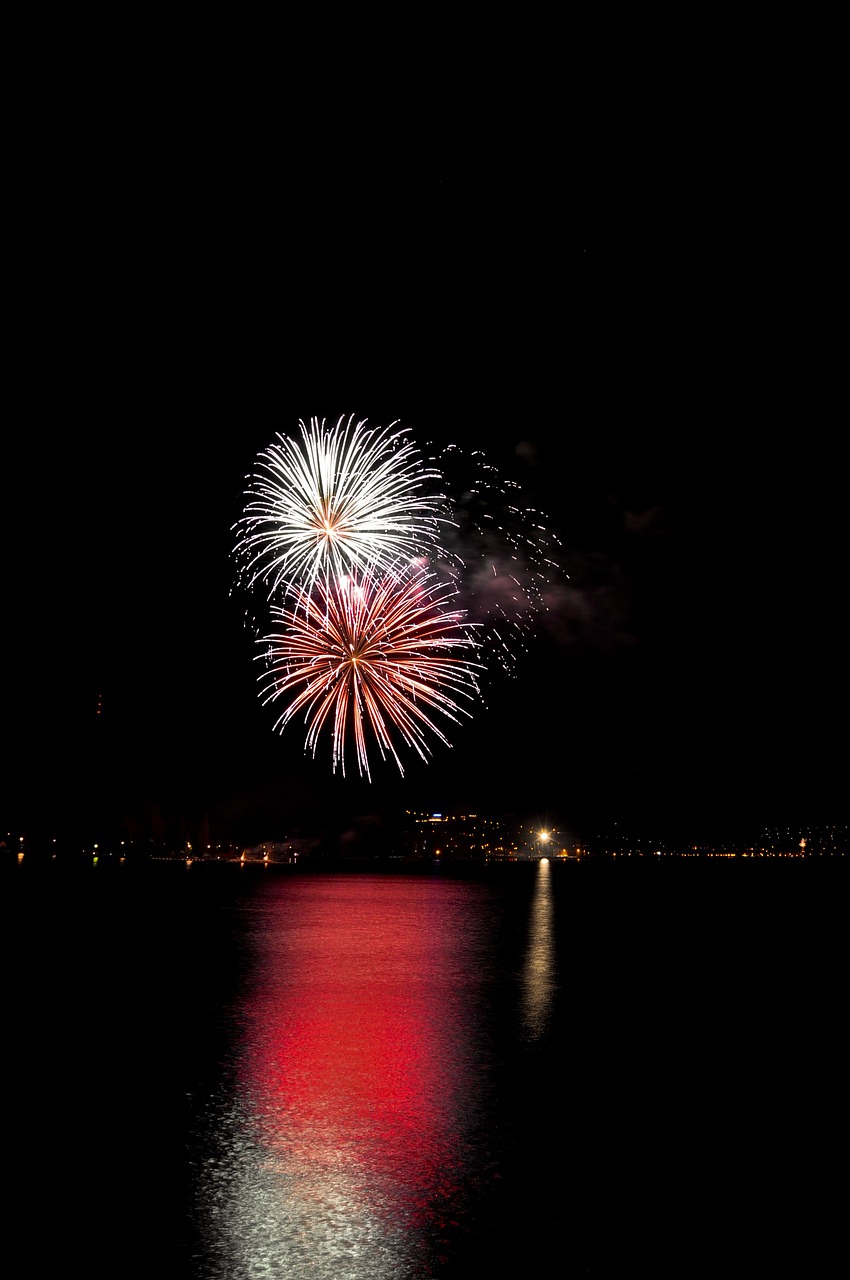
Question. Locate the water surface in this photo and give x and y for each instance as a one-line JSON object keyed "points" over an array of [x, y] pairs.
{"points": [[223, 1073]]}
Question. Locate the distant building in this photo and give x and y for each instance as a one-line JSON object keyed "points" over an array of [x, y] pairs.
{"points": [[811, 841], [467, 837]]}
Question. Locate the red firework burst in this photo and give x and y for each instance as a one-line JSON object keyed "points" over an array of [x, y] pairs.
{"points": [[376, 649]]}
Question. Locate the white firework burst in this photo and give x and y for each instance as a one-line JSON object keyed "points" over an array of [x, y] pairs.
{"points": [[333, 501]]}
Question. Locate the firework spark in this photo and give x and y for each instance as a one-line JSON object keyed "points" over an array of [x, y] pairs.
{"points": [[372, 652], [499, 553], [334, 501]]}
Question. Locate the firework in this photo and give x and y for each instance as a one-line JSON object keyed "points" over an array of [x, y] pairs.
{"points": [[335, 500], [371, 653], [499, 553], [359, 545]]}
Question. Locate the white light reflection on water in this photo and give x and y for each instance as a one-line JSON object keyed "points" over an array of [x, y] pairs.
{"points": [[538, 973], [349, 1143]]}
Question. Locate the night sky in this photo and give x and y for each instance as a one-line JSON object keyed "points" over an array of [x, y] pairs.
{"points": [[641, 337]]}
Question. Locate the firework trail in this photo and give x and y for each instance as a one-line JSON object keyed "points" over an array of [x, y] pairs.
{"points": [[333, 502], [499, 553], [373, 652]]}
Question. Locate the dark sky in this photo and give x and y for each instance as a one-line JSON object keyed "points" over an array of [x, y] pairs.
{"points": [[641, 336]]}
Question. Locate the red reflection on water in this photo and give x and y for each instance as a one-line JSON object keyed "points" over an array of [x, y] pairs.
{"points": [[357, 1061]]}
